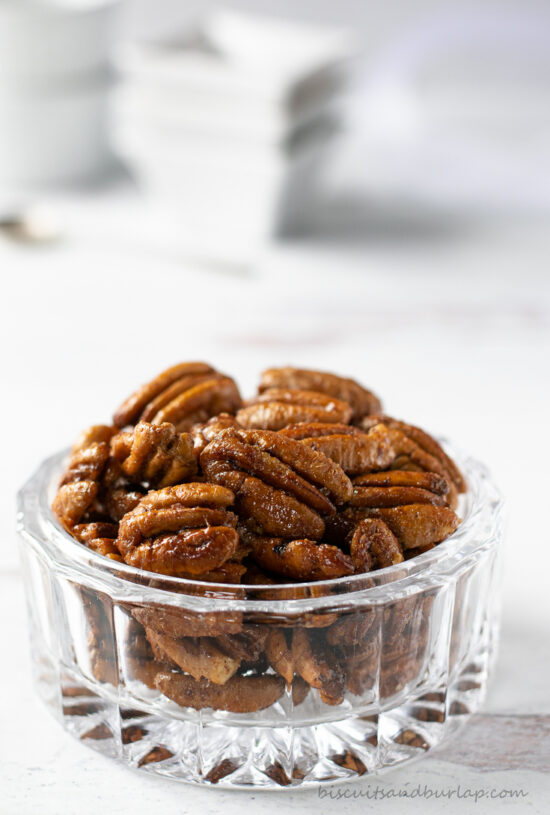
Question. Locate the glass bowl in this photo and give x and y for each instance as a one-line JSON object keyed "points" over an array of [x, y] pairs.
{"points": [[395, 660]]}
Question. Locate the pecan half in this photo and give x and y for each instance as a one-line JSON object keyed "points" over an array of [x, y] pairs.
{"points": [[414, 525], [79, 485], [197, 656], [426, 443], [374, 546], [317, 666], [280, 462], [183, 395], [276, 408], [362, 401], [301, 559], [354, 450], [182, 529], [240, 694], [156, 454]]}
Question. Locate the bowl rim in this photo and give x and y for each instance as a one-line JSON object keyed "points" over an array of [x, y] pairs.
{"points": [[481, 508]]}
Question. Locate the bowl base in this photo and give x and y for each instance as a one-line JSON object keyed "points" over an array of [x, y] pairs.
{"points": [[215, 753]]}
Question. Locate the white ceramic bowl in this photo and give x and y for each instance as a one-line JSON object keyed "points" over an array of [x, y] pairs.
{"points": [[47, 41]]}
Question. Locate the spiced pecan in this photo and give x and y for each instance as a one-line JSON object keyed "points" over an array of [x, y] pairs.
{"points": [[181, 529], [276, 408], [354, 450], [426, 443], [79, 484], [156, 454], [414, 525], [362, 401], [301, 559], [374, 546], [317, 666], [204, 432], [100, 537], [278, 482], [279, 654], [185, 394], [198, 656], [240, 694]]}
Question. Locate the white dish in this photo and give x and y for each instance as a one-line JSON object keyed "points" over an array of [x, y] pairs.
{"points": [[47, 41]]}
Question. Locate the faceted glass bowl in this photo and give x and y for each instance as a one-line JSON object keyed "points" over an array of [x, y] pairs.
{"points": [[398, 658]]}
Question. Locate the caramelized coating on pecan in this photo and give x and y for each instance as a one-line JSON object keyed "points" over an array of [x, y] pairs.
{"points": [[374, 546], [156, 454], [279, 654], [301, 559], [79, 484], [100, 537], [414, 525], [197, 656], [362, 401], [183, 395], [276, 408], [240, 694], [204, 432], [317, 666], [184, 623], [182, 529], [283, 463], [426, 443], [353, 450], [351, 629]]}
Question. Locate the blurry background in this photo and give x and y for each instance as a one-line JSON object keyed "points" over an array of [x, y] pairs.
{"points": [[351, 186]]}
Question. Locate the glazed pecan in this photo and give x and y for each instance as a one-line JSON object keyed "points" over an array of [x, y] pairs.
{"points": [[183, 395], [198, 656], [240, 694], [276, 408], [354, 450], [204, 432], [399, 487], [425, 442], [179, 622], [181, 529], [100, 537], [374, 546], [279, 654], [414, 525], [301, 559], [156, 454], [79, 485], [279, 483], [317, 665], [362, 401]]}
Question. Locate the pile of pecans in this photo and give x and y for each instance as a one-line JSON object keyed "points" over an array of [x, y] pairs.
{"points": [[306, 481]]}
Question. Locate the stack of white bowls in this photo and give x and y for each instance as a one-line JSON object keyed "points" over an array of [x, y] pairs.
{"points": [[220, 123], [54, 84]]}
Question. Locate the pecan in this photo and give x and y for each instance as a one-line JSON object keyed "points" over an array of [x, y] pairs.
{"points": [[197, 656], [414, 525], [276, 408], [79, 484], [317, 666], [278, 482], [182, 529], [279, 654], [362, 401], [374, 546], [301, 559], [351, 629], [204, 432], [399, 487], [157, 454], [183, 395], [240, 694], [100, 537], [426, 443], [247, 645], [355, 451], [176, 622]]}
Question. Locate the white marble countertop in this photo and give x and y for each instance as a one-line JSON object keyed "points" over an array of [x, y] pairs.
{"points": [[453, 331]]}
